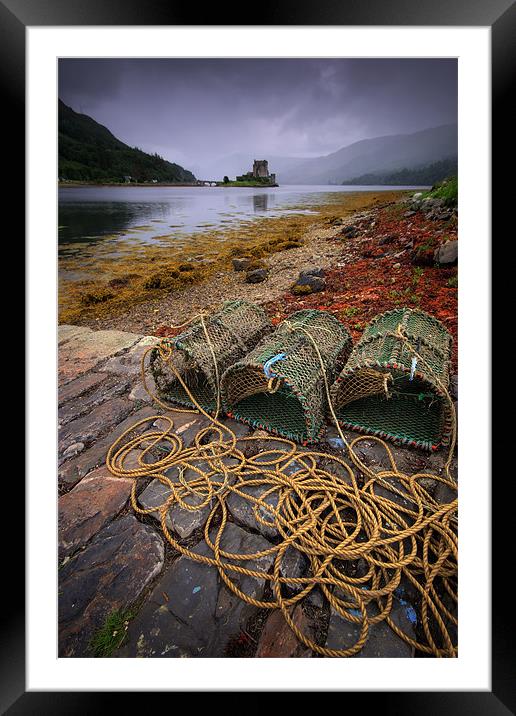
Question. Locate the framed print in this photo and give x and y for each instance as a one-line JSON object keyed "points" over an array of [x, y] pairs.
{"points": [[244, 352]]}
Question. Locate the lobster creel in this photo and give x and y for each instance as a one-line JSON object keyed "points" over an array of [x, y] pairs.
{"points": [[233, 332], [384, 390], [279, 386]]}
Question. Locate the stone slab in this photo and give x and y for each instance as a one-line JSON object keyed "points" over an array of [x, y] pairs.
{"points": [[110, 388], [95, 423], [277, 639], [244, 510], [382, 641], [180, 520], [86, 509], [79, 386], [78, 467], [81, 349], [109, 575], [129, 363], [191, 613]]}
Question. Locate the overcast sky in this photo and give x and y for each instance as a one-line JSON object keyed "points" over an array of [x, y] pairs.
{"points": [[195, 111]]}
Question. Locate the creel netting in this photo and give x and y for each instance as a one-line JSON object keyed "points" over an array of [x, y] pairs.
{"points": [[233, 332], [278, 386], [384, 391]]}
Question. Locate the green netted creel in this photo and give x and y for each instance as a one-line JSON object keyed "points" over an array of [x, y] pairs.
{"points": [[233, 332], [384, 391], [279, 385]]}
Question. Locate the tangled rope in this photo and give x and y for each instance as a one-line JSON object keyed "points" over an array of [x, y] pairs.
{"points": [[334, 517]]}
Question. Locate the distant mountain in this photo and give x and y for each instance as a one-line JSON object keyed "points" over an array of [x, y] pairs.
{"points": [[380, 155], [428, 174], [89, 152]]}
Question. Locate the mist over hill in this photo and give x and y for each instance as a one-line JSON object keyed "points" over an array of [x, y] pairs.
{"points": [[377, 156], [431, 152]]}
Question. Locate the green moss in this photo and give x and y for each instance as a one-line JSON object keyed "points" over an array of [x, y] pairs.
{"points": [[301, 290], [453, 282], [448, 189], [417, 274], [111, 634], [350, 311]]}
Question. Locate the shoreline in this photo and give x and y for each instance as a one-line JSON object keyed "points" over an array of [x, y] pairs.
{"points": [[386, 262], [147, 276], [233, 185]]}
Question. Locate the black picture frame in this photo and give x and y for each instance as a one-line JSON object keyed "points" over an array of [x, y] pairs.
{"points": [[500, 16]]}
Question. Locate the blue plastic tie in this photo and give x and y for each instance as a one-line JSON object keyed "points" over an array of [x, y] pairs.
{"points": [[270, 362], [413, 368]]}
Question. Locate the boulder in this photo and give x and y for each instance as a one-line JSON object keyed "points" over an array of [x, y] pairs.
{"points": [[387, 239], [241, 263], [308, 283], [447, 253], [350, 232], [257, 275], [311, 272]]}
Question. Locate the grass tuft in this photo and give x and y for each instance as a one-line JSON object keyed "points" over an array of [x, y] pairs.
{"points": [[111, 634]]}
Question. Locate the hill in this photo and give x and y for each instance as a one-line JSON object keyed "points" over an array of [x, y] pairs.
{"points": [[88, 151], [380, 155], [428, 174]]}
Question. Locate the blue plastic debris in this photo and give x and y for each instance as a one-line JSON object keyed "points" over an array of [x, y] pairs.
{"points": [[336, 443]]}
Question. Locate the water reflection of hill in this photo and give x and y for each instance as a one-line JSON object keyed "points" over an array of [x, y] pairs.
{"points": [[92, 222]]}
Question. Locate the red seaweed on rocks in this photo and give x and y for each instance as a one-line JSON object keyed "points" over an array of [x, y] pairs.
{"points": [[388, 264]]}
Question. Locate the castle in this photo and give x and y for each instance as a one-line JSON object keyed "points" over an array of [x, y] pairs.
{"points": [[260, 173]]}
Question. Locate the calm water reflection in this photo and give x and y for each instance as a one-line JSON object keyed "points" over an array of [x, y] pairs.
{"points": [[88, 215]]}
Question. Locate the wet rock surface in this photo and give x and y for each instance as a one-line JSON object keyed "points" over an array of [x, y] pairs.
{"points": [[191, 613], [382, 641], [109, 575], [87, 508]]}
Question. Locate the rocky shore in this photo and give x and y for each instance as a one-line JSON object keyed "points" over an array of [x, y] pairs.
{"points": [[401, 252]]}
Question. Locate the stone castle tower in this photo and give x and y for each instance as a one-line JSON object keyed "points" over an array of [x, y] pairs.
{"points": [[261, 168], [260, 173]]}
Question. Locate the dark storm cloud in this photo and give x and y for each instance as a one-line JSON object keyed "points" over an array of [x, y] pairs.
{"points": [[193, 111]]}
